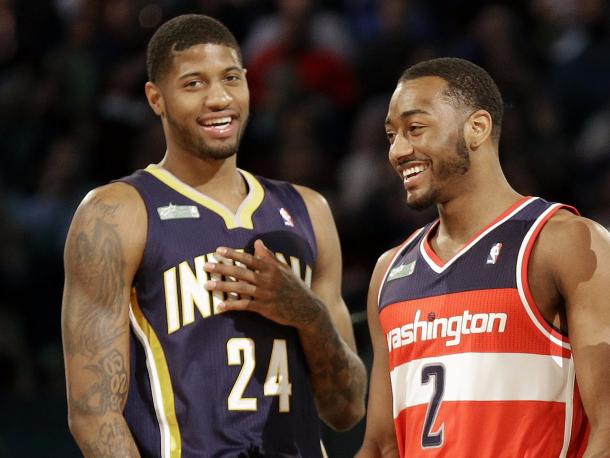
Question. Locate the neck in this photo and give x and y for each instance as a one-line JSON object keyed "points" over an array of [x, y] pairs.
{"points": [[483, 199], [217, 178]]}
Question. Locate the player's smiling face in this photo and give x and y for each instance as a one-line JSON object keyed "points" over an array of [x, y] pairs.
{"points": [[206, 101], [427, 146]]}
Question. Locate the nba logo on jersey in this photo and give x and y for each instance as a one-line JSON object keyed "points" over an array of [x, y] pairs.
{"points": [[286, 217], [494, 253]]}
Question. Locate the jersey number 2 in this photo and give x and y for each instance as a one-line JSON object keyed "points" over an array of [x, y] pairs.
{"points": [[428, 438], [241, 351]]}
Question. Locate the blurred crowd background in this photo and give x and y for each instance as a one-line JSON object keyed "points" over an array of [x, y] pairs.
{"points": [[73, 116]]}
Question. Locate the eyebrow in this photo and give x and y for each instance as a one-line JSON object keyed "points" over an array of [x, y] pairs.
{"points": [[197, 73], [408, 113]]}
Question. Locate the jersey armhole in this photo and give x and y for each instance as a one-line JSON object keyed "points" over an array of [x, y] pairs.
{"points": [[523, 285]]}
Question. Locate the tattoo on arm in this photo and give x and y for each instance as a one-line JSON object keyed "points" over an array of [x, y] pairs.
{"points": [[109, 393], [290, 301], [96, 258], [340, 367], [112, 441]]}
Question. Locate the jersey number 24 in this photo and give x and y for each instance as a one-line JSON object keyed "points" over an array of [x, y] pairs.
{"points": [[241, 351]]}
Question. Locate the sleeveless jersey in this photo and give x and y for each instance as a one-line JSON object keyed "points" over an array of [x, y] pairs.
{"points": [[205, 383], [475, 369]]}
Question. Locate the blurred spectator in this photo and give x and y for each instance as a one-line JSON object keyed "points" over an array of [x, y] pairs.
{"points": [[73, 115], [326, 29]]}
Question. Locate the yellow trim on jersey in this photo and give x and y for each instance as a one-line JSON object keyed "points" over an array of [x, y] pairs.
{"points": [[161, 385], [243, 217]]}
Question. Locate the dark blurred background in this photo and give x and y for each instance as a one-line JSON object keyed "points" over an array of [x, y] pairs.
{"points": [[73, 116]]}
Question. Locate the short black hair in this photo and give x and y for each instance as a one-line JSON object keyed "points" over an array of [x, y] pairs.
{"points": [[467, 85], [181, 33]]}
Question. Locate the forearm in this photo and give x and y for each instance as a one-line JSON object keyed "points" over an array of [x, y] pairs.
{"points": [[337, 374], [103, 436], [598, 444], [374, 450]]}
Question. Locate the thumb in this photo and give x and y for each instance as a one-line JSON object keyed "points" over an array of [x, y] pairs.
{"points": [[261, 250]]}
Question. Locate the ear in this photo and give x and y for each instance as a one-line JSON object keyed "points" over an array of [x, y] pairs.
{"points": [[155, 98], [477, 129]]}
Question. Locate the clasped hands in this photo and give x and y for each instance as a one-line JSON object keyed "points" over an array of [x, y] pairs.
{"points": [[260, 283]]}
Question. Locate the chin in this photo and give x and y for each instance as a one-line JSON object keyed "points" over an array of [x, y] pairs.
{"points": [[420, 203], [220, 152]]}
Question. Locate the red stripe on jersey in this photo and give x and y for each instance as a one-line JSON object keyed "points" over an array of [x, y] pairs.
{"points": [[580, 427], [525, 266], [510, 429], [463, 311]]}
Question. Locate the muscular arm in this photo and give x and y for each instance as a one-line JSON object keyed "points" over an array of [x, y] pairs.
{"points": [[101, 254], [338, 375], [379, 438], [580, 273]]}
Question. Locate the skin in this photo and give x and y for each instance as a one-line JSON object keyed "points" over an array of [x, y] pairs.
{"points": [[569, 285], [106, 241]]}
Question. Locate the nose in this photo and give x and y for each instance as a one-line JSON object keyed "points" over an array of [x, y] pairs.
{"points": [[400, 148], [218, 97]]}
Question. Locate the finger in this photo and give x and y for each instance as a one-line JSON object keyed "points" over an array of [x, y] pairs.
{"points": [[230, 270], [241, 288], [247, 259], [261, 250], [236, 304]]}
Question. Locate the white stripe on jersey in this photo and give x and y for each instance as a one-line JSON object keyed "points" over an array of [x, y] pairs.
{"points": [[485, 377], [521, 287], [155, 386], [440, 269]]}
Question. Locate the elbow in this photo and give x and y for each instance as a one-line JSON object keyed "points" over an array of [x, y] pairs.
{"points": [[78, 425], [344, 419]]}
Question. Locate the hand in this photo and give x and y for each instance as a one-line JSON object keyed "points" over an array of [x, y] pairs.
{"points": [[262, 284]]}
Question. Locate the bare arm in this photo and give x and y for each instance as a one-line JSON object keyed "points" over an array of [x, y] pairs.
{"points": [[338, 375], [379, 438], [581, 275], [270, 288], [101, 254]]}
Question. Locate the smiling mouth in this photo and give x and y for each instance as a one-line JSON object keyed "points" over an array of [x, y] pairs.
{"points": [[411, 172], [218, 123]]}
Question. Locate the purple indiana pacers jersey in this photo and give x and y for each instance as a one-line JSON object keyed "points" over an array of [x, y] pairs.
{"points": [[207, 384], [475, 369]]}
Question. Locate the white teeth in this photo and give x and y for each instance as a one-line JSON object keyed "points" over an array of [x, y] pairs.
{"points": [[217, 121], [413, 170]]}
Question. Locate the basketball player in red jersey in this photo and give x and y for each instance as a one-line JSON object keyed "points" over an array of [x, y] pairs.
{"points": [[490, 325]]}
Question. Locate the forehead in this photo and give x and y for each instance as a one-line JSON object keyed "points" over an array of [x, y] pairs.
{"points": [[420, 94], [204, 58]]}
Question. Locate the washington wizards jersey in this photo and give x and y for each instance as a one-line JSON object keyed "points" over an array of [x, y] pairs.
{"points": [[475, 369], [206, 383]]}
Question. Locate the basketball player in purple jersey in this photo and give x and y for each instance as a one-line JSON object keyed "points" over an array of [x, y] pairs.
{"points": [[158, 365]]}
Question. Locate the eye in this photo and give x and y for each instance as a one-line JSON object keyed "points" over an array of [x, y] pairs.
{"points": [[390, 135], [233, 78], [415, 128], [193, 84]]}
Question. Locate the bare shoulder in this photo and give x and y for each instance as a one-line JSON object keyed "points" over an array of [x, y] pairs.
{"points": [[567, 234], [110, 199], [111, 215], [573, 248], [383, 263], [316, 203]]}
